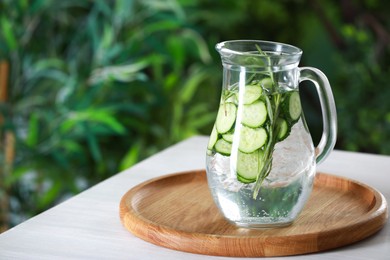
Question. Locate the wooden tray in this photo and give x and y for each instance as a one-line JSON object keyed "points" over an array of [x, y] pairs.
{"points": [[177, 211]]}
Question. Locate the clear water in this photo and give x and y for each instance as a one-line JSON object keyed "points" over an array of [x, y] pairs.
{"points": [[283, 193]]}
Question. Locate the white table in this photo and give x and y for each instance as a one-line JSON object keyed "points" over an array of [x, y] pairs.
{"points": [[87, 226]]}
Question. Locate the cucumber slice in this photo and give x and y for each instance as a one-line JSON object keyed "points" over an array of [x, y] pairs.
{"points": [[292, 106], [226, 117], [243, 180], [266, 83], [249, 166], [283, 129], [231, 98], [223, 147], [251, 139], [255, 114], [228, 137], [213, 138], [252, 93]]}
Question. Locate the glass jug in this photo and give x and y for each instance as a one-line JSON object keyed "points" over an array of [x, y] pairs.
{"points": [[261, 161]]}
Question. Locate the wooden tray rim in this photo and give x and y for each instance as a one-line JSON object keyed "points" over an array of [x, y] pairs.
{"points": [[378, 212]]}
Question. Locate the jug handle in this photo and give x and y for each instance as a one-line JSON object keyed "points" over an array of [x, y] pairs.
{"points": [[328, 108]]}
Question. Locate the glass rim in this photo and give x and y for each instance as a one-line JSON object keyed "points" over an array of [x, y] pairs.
{"points": [[279, 48]]}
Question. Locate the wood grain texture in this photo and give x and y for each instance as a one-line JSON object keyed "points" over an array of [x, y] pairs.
{"points": [[177, 211]]}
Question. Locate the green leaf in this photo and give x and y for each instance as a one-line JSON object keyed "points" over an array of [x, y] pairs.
{"points": [[8, 34], [17, 173], [201, 121], [101, 116], [191, 85], [38, 5], [200, 43], [123, 11], [33, 130], [93, 145], [61, 159], [123, 73], [163, 6], [161, 25], [108, 37], [177, 52], [50, 195], [71, 146], [171, 80], [113, 124], [199, 116], [131, 156]]}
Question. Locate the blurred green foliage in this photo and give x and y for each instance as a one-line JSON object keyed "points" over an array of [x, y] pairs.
{"points": [[96, 86]]}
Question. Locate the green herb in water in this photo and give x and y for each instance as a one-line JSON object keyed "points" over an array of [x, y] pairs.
{"points": [[267, 117], [273, 104]]}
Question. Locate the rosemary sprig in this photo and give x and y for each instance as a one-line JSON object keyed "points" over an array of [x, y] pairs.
{"points": [[273, 104]]}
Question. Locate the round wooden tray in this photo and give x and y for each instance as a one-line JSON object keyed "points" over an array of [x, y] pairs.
{"points": [[177, 211]]}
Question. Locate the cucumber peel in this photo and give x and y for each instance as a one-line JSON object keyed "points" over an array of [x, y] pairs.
{"points": [[228, 137], [292, 106], [213, 138], [252, 93], [223, 147], [252, 139], [283, 129], [255, 114], [249, 165], [226, 117]]}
